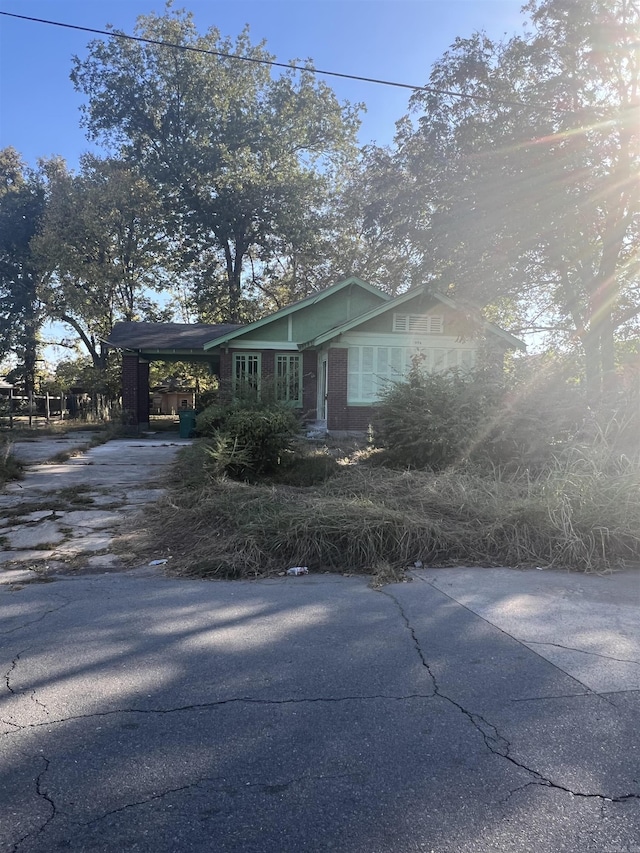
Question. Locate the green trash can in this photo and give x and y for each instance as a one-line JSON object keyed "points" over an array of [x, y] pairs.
{"points": [[187, 423]]}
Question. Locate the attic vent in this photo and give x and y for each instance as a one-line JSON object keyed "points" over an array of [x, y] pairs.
{"points": [[418, 324]]}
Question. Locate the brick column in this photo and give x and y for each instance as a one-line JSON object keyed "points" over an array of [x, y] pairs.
{"points": [[225, 393], [268, 366], [337, 418], [130, 381], [143, 394]]}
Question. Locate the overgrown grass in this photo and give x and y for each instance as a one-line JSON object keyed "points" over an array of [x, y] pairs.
{"points": [[59, 429], [10, 467], [581, 513], [106, 433]]}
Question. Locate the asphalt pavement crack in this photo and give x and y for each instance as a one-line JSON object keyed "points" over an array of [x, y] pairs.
{"points": [[558, 696], [203, 706], [492, 738], [43, 795], [517, 790], [581, 651], [265, 787], [7, 677], [35, 621], [35, 699], [506, 633], [144, 802], [496, 743]]}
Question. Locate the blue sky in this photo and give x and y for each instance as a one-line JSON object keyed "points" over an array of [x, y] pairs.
{"points": [[390, 39]]}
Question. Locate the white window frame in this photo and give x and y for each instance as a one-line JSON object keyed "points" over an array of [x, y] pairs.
{"points": [[288, 388], [247, 378], [371, 367]]}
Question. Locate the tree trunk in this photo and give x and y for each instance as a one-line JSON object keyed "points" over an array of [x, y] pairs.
{"points": [[30, 349], [233, 264], [608, 354], [591, 346]]}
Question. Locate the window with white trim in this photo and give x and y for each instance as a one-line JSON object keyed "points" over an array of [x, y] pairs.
{"points": [[371, 369], [425, 324], [247, 368], [288, 369]]}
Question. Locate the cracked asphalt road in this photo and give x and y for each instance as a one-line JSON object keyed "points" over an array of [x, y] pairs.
{"points": [[143, 713]]}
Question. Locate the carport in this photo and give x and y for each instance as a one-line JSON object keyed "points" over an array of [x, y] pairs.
{"points": [[141, 343]]}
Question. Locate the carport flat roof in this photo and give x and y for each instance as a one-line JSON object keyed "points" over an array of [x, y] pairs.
{"points": [[166, 337]]}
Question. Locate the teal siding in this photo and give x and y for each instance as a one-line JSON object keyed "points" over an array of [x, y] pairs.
{"points": [[313, 320]]}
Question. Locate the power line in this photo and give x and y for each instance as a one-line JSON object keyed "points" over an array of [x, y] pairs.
{"points": [[288, 65]]}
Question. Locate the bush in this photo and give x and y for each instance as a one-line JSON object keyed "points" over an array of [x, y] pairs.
{"points": [[209, 421], [437, 420], [247, 439], [434, 420]]}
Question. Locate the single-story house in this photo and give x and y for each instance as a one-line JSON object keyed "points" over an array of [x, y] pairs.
{"points": [[329, 355]]}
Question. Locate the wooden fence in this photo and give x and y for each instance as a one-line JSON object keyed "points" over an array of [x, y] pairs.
{"points": [[51, 408]]}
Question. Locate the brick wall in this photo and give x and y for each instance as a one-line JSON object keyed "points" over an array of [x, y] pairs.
{"points": [[359, 418], [130, 387], [309, 370], [337, 414], [268, 366], [143, 392], [340, 416], [225, 393]]}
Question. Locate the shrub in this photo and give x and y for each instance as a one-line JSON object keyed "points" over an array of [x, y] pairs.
{"points": [[209, 421], [434, 420], [247, 438], [225, 455], [264, 433]]}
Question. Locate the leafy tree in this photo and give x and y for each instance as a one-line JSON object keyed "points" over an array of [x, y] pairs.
{"points": [[531, 187], [101, 244], [22, 204], [81, 372], [243, 159], [376, 216], [364, 230]]}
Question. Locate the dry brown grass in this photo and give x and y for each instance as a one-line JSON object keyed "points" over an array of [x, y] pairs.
{"points": [[10, 467], [579, 514]]}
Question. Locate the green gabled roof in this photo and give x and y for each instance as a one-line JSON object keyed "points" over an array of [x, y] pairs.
{"points": [[401, 300], [297, 306]]}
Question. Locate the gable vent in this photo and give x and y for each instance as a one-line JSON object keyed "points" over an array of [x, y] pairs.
{"points": [[418, 324]]}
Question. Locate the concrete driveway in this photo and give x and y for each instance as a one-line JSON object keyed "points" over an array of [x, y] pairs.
{"points": [[467, 710], [65, 516]]}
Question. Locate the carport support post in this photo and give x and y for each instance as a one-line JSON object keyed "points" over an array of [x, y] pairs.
{"points": [[143, 395], [135, 391]]}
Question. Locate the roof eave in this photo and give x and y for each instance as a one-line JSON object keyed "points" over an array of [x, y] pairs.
{"points": [[363, 318], [329, 335], [297, 306]]}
